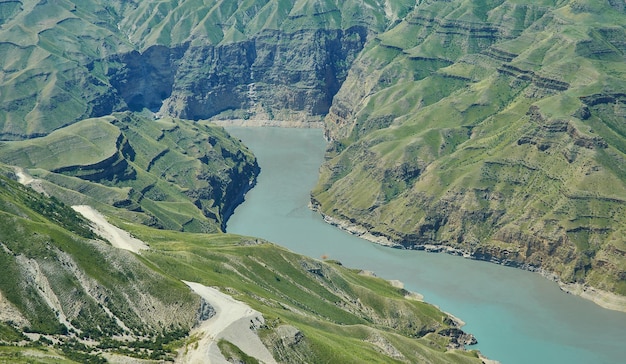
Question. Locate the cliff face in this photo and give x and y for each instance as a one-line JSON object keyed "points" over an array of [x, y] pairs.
{"points": [[275, 75], [488, 129], [143, 80]]}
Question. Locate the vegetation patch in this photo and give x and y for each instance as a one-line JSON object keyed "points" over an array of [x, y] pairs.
{"points": [[233, 354]]}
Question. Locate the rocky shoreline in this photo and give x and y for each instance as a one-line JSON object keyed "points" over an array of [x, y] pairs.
{"points": [[601, 298], [604, 299]]}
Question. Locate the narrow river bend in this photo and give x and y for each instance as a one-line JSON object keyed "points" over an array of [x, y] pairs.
{"points": [[517, 316]]}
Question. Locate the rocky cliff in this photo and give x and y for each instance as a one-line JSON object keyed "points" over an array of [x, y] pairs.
{"points": [[276, 75]]}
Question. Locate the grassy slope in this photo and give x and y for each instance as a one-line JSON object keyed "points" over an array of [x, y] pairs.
{"points": [[335, 310], [224, 22], [62, 284], [170, 173], [480, 133], [44, 83]]}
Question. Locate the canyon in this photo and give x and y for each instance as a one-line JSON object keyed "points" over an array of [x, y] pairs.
{"points": [[492, 129]]}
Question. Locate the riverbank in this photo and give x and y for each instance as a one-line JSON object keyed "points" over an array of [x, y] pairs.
{"points": [[601, 298], [604, 299], [269, 123], [515, 316]]}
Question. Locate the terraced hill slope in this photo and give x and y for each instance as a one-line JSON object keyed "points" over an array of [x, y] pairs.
{"points": [[493, 127], [170, 173]]}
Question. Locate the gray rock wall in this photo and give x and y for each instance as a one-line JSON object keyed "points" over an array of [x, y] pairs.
{"points": [[275, 75]]}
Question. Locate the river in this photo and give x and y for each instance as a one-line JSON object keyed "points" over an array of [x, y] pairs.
{"points": [[517, 316]]}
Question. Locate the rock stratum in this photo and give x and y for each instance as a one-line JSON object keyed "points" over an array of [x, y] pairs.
{"points": [[66, 61]]}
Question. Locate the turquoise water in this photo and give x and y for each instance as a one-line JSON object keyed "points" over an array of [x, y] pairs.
{"points": [[517, 316]]}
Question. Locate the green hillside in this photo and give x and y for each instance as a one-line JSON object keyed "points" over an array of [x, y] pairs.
{"points": [[492, 127], [488, 128], [60, 284], [68, 296], [172, 174]]}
